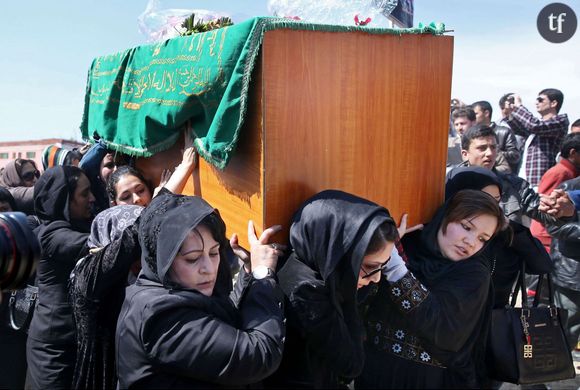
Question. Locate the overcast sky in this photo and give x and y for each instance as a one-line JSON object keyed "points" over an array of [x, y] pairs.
{"points": [[47, 48]]}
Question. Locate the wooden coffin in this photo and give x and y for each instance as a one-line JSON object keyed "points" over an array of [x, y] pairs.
{"points": [[367, 114]]}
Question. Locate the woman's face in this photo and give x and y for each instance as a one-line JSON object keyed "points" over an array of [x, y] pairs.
{"points": [[462, 239], [82, 200], [29, 174], [131, 190], [197, 261], [370, 270], [107, 167]]}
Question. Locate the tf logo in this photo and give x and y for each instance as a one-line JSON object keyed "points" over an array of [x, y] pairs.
{"points": [[557, 22]]}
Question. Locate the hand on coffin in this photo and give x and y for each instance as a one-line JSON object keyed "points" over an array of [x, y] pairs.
{"points": [[189, 155], [262, 251], [403, 226]]}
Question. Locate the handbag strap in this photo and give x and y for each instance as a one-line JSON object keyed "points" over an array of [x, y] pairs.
{"points": [[12, 309], [520, 288], [539, 287]]}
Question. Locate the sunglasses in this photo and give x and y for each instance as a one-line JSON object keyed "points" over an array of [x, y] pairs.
{"points": [[373, 272], [28, 176], [540, 99]]}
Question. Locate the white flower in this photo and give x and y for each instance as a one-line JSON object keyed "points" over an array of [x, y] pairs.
{"points": [[396, 291], [425, 356], [397, 348], [406, 304], [400, 334]]}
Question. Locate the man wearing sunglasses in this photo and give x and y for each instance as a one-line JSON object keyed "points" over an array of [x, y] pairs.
{"points": [[543, 136]]}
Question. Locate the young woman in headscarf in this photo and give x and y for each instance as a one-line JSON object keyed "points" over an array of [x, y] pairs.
{"points": [[18, 177], [427, 324], [179, 327], [97, 292], [63, 202], [127, 185], [339, 243], [511, 246]]}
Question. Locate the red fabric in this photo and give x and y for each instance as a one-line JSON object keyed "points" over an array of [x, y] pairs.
{"points": [[553, 177]]}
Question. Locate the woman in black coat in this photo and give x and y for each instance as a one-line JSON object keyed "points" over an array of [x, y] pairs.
{"points": [[511, 246], [63, 202], [97, 292], [427, 324], [178, 327], [340, 243]]}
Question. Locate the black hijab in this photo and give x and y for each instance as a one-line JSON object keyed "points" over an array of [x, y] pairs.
{"points": [[434, 270], [331, 232], [470, 178], [425, 257], [52, 196], [165, 223]]}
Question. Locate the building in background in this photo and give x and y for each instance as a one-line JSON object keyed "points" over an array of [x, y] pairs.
{"points": [[32, 150]]}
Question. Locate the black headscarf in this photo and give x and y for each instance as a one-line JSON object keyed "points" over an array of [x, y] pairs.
{"points": [[434, 270], [52, 196], [425, 257], [164, 225], [331, 232], [470, 178]]}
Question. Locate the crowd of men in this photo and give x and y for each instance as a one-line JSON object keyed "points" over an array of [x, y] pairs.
{"points": [[536, 156]]}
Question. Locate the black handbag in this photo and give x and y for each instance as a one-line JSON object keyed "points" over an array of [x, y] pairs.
{"points": [[21, 307], [527, 344]]}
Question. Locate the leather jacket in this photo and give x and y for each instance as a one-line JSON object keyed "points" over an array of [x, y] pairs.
{"points": [[507, 149], [565, 249]]}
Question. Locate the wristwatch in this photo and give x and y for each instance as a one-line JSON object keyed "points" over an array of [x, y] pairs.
{"points": [[261, 272]]}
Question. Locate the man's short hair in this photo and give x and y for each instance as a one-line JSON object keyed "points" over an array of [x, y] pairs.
{"points": [[576, 123], [554, 94], [571, 141], [504, 98], [476, 131], [464, 111], [483, 105]]}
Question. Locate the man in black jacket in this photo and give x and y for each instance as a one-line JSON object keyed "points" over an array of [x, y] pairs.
{"points": [[518, 200], [565, 252], [509, 156]]}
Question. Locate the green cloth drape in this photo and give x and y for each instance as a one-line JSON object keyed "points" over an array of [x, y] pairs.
{"points": [[139, 99]]}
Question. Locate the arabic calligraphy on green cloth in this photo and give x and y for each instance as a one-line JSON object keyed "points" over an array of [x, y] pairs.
{"points": [[138, 100]]}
